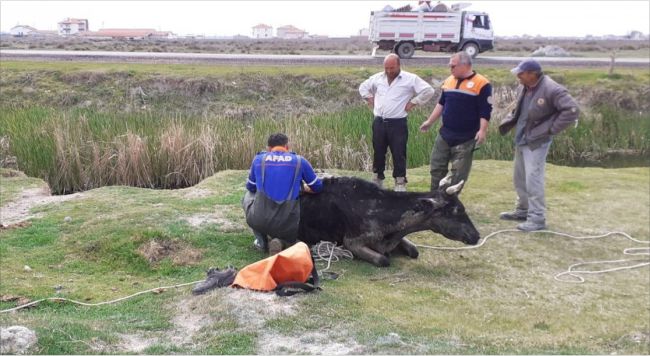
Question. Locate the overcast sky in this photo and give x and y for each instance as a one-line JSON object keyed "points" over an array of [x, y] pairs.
{"points": [[332, 18]]}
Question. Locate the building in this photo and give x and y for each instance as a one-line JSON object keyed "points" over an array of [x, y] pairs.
{"points": [[291, 32], [262, 31], [22, 30], [72, 26]]}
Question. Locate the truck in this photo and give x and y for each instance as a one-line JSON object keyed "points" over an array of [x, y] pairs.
{"points": [[449, 30]]}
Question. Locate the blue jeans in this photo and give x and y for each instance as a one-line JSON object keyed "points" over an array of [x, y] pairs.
{"points": [[528, 179]]}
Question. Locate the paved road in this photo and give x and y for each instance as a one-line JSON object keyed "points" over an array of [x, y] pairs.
{"points": [[275, 59]]}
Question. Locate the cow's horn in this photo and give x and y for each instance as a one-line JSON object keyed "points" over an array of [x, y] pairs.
{"points": [[455, 188], [444, 181]]}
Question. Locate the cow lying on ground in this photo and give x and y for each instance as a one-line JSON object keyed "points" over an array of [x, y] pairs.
{"points": [[372, 222]]}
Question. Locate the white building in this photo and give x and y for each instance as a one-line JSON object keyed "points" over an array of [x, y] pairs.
{"points": [[21, 30], [72, 26], [262, 31], [291, 32]]}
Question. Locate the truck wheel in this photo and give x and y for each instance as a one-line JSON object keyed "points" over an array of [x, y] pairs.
{"points": [[405, 50], [471, 49]]}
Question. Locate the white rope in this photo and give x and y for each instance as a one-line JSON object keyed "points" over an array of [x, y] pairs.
{"points": [[59, 299], [324, 251], [576, 274], [329, 251]]}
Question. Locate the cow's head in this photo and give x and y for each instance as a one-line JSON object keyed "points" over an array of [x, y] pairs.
{"points": [[449, 217]]}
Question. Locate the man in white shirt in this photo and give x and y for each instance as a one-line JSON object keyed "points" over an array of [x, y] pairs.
{"points": [[391, 94]]}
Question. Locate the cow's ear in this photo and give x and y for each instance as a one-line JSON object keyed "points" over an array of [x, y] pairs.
{"points": [[433, 203]]}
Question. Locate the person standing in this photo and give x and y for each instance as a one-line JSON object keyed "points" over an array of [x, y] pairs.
{"points": [[465, 106], [391, 95], [544, 109], [272, 204]]}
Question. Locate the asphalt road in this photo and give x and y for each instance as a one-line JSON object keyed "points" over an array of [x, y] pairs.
{"points": [[276, 59]]}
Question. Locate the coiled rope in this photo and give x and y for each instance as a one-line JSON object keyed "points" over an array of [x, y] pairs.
{"points": [[330, 252]]}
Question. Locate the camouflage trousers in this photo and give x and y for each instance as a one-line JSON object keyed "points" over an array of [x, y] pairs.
{"points": [[455, 159]]}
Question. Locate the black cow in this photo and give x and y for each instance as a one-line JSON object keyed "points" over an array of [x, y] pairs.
{"points": [[372, 222]]}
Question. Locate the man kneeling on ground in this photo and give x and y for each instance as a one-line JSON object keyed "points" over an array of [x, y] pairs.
{"points": [[272, 204]]}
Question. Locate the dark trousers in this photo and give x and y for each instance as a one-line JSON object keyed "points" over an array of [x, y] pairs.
{"points": [[393, 134]]}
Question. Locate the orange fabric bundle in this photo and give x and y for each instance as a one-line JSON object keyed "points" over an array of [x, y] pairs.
{"points": [[291, 265]]}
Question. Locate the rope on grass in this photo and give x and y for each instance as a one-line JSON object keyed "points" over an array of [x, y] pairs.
{"points": [[60, 299], [330, 252], [324, 251], [571, 271]]}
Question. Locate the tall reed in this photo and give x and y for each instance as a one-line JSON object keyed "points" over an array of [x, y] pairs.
{"points": [[83, 149]]}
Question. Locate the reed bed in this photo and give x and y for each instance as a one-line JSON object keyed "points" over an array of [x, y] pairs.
{"points": [[82, 149]]}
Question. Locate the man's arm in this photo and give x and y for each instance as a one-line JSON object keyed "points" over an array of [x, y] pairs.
{"points": [[481, 134], [250, 182], [485, 113], [567, 108], [314, 183], [367, 91], [424, 92]]}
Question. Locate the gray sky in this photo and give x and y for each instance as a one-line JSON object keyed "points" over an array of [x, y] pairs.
{"points": [[333, 18]]}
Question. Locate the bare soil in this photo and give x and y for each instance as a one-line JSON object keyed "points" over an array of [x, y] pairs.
{"points": [[18, 211]]}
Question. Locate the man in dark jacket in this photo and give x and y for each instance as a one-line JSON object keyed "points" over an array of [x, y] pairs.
{"points": [[272, 203], [544, 109]]}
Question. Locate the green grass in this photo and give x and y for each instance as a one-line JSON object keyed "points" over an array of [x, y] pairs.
{"points": [[498, 299]]}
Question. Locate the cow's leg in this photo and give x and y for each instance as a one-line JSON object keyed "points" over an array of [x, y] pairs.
{"points": [[408, 248], [370, 255]]}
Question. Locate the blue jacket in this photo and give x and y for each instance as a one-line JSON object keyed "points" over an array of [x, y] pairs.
{"points": [[280, 170]]}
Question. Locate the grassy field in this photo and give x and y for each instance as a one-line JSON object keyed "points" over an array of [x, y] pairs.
{"points": [[498, 299], [85, 125]]}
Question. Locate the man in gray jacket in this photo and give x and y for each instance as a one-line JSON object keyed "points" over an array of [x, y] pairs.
{"points": [[544, 109]]}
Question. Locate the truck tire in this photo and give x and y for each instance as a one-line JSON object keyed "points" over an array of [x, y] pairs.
{"points": [[471, 49], [405, 50]]}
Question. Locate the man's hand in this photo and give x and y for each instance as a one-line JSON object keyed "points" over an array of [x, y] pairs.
{"points": [[371, 102], [482, 132], [426, 126], [480, 136], [306, 188], [409, 106]]}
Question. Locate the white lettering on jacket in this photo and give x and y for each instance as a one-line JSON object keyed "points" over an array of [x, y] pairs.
{"points": [[278, 158]]}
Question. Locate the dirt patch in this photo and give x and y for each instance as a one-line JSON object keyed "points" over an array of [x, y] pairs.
{"points": [[191, 315], [180, 253], [311, 343], [253, 309], [216, 218], [195, 193], [17, 211], [136, 343]]}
